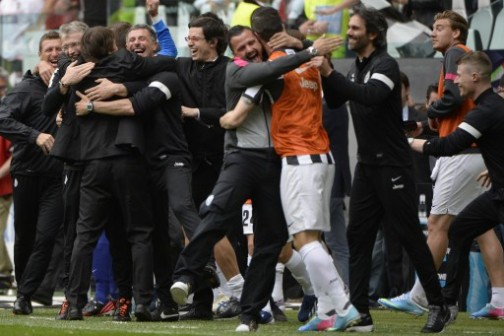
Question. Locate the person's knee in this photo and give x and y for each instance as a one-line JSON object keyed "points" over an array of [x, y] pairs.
{"points": [[285, 254], [439, 224]]}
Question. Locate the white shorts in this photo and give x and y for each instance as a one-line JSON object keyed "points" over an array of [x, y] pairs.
{"points": [[305, 191], [455, 184], [247, 219]]}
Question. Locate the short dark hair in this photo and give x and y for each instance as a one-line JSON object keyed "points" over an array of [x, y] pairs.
{"points": [[235, 31], [431, 88], [120, 30], [212, 28], [50, 35], [479, 62], [151, 31], [97, 43], [457, 22], [375, 23], [266, 22]]}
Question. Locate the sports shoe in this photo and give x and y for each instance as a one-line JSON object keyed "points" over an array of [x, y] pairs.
{"points": [[403, 303], [142, 313], [229, 308], [308, 308], [364, 325], [278, 313], [266, 317], [122, 312], [489, 312], [453, 313], [180, 291], [63, 312], [109, 307], [196, 313], [437, 319], [22, 306], [318, 324], [342, 322], [250, 326], [165, 313], [92, 308], [74, 314]]}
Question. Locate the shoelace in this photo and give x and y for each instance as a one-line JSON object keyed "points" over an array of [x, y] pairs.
{"points": [[123, 308], [64, 308], [431, 319]]}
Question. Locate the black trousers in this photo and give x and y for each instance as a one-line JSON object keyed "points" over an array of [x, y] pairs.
{"points": [[71, 194], [386, 195], [113, 183], [118, 242], [171, 189], [479, 216], [38, 213], [245, 174]]}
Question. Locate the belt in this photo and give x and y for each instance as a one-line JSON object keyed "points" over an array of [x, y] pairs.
{"points": [[308, 159]]}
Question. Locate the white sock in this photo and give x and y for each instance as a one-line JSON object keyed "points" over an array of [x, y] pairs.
{"points": [[267, 307], [277, 294], [324, 277], [324, 307], [298, 270], [497, 297], [235, 284], [418, 293], [249, 259], [224, 289]]}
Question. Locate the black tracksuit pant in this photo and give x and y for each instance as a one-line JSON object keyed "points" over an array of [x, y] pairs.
{"points": [[171, 188], [246, 173], [38, 213], [386, 194], [119, 182], [479, 216]]}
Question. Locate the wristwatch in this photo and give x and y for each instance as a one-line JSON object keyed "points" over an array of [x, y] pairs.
{"points": [[90, 106], [312, 51]]}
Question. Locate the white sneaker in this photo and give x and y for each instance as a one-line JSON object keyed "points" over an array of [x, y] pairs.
{"points": [[250, 327], [180, 291]]}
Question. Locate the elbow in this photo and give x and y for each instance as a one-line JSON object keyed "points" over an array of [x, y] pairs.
{"points": [[228, 123]]}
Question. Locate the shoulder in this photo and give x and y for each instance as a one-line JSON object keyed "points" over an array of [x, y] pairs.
{"points": [[453, 54], [165, 77], [276, 54]]}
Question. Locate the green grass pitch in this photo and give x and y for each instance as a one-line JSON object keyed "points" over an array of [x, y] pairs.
{"points": [[42, 323]]}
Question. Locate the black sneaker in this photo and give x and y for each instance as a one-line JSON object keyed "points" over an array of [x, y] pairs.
{"points": [[196, 314], [364, 325], [74, 314], [278, 313], [453, 313], [165, 313], [230, 308], [122, 312], [142, 313], [437, 319], [22, 306], [92, 308], [63, 312]]}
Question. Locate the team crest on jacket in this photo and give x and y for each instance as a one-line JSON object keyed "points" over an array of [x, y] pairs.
{"points": [[366, 78]]}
